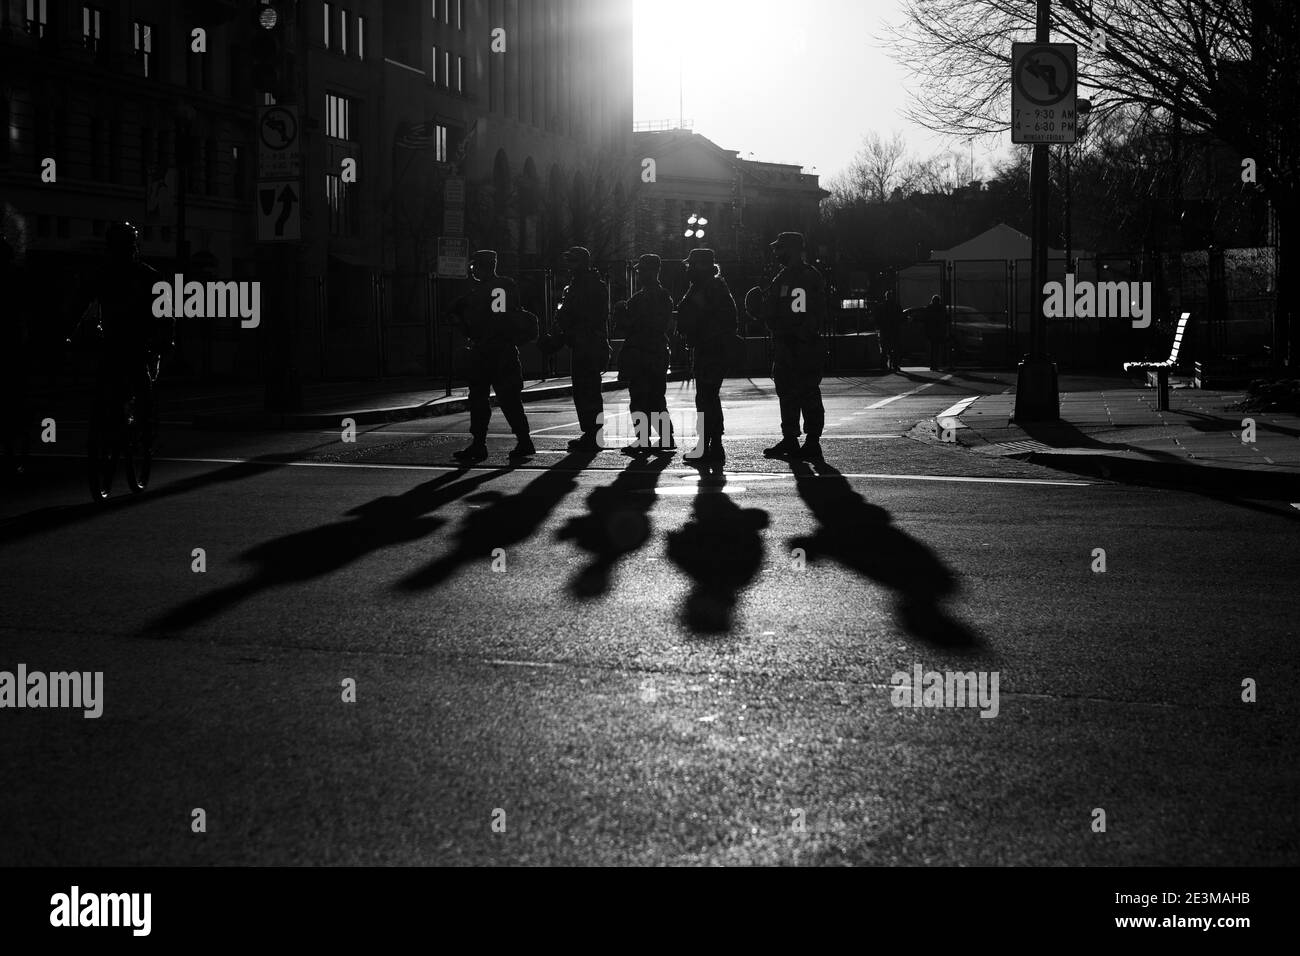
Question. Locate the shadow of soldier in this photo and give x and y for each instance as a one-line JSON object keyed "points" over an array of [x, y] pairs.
{"points": [[316, 552], [617, 524], [507, 520], [859, 536], [721, 550]]}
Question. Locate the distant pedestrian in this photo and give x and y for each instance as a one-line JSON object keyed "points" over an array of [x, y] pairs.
{"points": [[643, 361], [582, 318], [889, 320], [495, 324], [706, 316], [935, 317], [794, 308]]}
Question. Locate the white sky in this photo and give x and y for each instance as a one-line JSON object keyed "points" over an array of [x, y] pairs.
{"points": [[795, 81]]}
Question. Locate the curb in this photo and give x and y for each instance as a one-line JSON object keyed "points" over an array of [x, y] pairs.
{"points": [[311, 421]]}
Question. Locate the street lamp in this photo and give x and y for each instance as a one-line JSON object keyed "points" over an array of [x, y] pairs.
{"points": [[695, 226]]}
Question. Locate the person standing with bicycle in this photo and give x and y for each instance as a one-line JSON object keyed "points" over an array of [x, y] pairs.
{"points": [[133, 341]]}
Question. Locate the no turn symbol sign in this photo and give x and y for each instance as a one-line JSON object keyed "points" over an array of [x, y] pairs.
{"points": [[1044, 88], [279, 155]]}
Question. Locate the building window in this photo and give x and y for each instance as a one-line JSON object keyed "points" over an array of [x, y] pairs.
{"points": [[341, 201], [460, 74], [114, 132], [446, 12], [433, 65], [37, 18], [446, 68], [440, 144], [328, 14], [240, 173], [146, 153], [142, 43], [361, 38], [433, 11], [343, 32], [92, 29], [338, 116], [96, 150], [460, 10], [197, 71]]}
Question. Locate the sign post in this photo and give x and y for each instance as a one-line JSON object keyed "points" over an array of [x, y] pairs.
{"points": [[1043, 79]]}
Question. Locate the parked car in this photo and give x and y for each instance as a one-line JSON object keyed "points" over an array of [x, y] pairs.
{"points": [[976, 337]]}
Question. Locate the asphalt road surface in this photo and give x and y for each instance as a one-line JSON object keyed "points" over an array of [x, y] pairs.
{"points": [[591, 659]]}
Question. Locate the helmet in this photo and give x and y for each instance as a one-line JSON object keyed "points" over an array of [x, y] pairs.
{"points": [[753, 302]]}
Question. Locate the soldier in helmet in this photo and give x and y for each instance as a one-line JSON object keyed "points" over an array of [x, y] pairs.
{"points": [[488, 315], [643, 362], [582, 318], [706, 315], [794, 308]]}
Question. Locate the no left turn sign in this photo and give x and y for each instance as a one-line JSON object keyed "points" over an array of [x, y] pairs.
{"points": [[1044, 89]]}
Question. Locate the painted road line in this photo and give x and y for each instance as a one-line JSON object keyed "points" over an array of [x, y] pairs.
{"points": [[952, 412], [450, 468], [920, 388], [538, 431]]}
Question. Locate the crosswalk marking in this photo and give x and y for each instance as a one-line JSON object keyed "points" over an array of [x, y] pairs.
{"points": [[920, 388]]}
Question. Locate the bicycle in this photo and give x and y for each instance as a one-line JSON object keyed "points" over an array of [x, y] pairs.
{"points": [[117, 432]]}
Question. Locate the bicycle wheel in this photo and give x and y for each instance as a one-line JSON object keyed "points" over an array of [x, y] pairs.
{"points": [[138, 458], [101, 460]]}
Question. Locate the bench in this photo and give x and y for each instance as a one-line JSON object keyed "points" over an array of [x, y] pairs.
{"points": [[1162, 369]]}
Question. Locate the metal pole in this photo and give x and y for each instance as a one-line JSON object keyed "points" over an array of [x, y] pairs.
{"points": [[1037, 398]]}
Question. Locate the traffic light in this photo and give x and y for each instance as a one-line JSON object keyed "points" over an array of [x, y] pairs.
{"points": [[272, 59]]}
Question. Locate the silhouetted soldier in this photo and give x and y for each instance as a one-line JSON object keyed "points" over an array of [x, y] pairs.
{"points": [[492, 320], [794, 308], [706, 316], [643, 362], [889, 320], [133, 340], [581, 318]]}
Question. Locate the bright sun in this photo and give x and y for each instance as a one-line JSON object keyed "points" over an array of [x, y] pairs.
{"points": [[695, 49]]}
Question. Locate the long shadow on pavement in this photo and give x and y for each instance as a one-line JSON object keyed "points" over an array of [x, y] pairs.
{"points": [[721, 550], [507, 520], [304, 555], [617, 523], [1230, 485], [54, 517], [859, 536]]}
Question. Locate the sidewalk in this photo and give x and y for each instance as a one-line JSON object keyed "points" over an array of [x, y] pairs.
{"points": [[1111, 429], [325, 405]]}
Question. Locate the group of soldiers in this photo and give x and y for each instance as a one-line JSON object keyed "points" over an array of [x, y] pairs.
{"points": [[793, 307]]}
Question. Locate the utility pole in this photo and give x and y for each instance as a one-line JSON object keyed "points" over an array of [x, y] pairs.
{"points": [[1037, 397]]}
